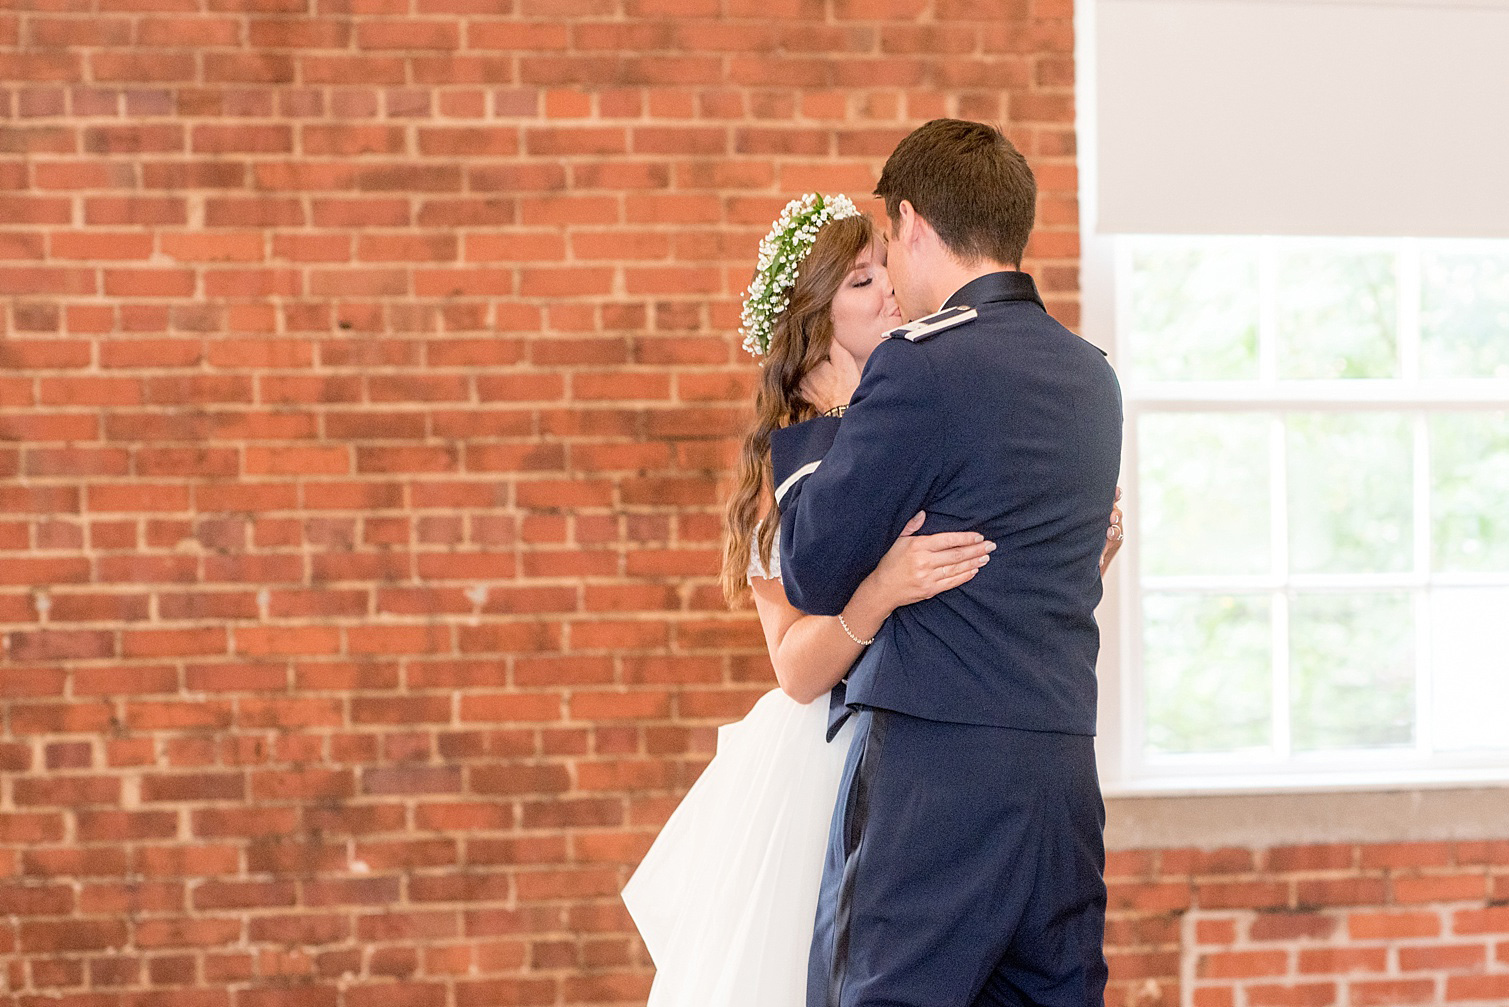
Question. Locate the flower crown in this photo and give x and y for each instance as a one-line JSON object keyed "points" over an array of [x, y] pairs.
{"points": [[782, 251]]}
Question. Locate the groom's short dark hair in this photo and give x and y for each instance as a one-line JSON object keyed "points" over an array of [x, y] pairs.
{"points": [[967, 181]]}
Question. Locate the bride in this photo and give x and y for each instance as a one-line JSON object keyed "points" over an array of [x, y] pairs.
{"points": [[726, 897]]}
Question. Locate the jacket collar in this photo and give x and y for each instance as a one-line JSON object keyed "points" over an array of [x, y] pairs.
{"points": [[1008, 285]]}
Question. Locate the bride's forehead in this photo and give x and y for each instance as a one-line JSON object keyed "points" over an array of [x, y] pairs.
{"points": [[872, 256]]}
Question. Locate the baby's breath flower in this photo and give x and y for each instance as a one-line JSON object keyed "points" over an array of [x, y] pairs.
{"points": [[787, 244]]}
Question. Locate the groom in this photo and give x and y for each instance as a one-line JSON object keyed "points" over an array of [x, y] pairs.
{"points": [[965, 861]]}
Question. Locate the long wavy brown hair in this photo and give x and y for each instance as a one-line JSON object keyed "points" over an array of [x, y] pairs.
{"points": [[800, 341]]}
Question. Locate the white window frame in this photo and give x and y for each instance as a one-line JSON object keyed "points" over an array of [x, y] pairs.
{"points": [[1410, 394]]}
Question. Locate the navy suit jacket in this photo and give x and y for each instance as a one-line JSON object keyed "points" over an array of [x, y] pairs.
{"points": [[1009, 425]]}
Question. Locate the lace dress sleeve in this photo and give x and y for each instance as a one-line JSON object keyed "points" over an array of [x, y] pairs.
{"points": [[758, 569]]}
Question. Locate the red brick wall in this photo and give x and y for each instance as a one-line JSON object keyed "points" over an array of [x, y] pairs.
{"points": [[368, 368], [1310, 926]]}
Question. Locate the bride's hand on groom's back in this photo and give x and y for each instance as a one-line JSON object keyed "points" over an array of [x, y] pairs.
{"points": [[918, 567], [1115, 533]]}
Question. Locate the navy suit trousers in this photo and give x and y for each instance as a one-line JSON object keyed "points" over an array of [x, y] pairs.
{"points": [[965, 869]]}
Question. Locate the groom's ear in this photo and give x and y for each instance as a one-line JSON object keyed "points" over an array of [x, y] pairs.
{"points": [[912, 229], [906, 223]]}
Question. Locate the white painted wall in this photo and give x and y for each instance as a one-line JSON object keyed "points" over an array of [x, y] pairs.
{"points": [[1386, 118]]}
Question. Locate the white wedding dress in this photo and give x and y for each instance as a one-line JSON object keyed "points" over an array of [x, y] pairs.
{"points": [[726, 897]]}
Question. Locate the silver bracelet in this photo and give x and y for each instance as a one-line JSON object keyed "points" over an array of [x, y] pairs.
{"points": [[845, 625]]}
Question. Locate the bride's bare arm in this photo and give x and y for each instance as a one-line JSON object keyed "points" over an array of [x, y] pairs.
{"points": [[811, 653]]}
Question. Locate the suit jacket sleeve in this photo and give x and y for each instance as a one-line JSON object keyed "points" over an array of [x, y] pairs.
{"points": [[839, 517]]}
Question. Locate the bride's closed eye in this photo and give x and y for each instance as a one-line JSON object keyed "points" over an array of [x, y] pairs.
{"points": [[862, 283]]}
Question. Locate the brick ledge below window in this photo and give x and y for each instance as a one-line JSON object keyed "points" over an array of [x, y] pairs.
{"points": [[1262, 820]]}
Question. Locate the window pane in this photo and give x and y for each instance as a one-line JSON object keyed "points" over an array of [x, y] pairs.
{"points": [[1350, 492], [1464, 315], [1352, 670], [1204, 493], [1373, 638], [1337, 315], [1469, 463], [1194, 311], [1470, 667], [1207, 660]]}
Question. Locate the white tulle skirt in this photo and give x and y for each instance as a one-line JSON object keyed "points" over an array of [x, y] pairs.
{"points": [[726, 896]]}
